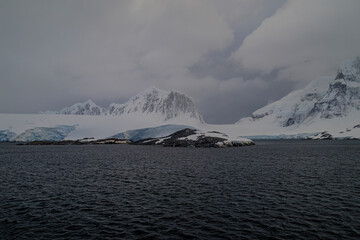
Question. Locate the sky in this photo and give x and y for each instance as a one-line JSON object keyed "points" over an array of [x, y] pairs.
{"points": [[232, 57]]}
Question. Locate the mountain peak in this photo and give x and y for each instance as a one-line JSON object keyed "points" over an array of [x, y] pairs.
{"points": [[343, 95], [155, 102], [84, 108], [350, 71], [152, 89], [89, 101]]}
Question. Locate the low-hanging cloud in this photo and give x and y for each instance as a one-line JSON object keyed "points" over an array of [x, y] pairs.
{"points": [[112, 49]]}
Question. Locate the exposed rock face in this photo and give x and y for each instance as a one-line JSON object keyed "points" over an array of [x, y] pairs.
{"points": [[194, 138], [321, 136], [343, 94], [168, 105], [350, 71]]}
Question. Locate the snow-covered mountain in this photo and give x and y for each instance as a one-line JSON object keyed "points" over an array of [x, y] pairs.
{"points": [[324, 97], [324, 104], [85, 108], [343, 95], [151, 103], [294, 108], [150, 112]]}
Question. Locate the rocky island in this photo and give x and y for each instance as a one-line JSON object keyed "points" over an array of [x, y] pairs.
{"points": [[195, 138]]}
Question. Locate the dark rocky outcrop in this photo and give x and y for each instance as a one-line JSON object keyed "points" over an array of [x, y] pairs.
{"points": [[321, 136], [85, 141]]}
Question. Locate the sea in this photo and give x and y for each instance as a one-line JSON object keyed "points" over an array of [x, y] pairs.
{"points": [[277, 189]]}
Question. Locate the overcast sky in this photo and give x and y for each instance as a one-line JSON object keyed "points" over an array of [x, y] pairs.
{"points": [[231, 56]]}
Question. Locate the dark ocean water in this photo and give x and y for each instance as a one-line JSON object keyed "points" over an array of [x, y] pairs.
{"points": [[274, 190]]}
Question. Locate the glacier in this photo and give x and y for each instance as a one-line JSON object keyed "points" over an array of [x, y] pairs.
{"points": [[7, 136], [281, 136], [56, 133]]}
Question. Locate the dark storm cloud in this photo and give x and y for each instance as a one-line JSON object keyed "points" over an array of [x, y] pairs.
{"points": [[56, 53]]}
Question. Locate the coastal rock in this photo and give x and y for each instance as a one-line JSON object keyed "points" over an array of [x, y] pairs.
{"points": [[321, 136]]}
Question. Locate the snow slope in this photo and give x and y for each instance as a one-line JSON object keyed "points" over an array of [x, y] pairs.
{"points": [[341, 128], [294, 108], [325, 97]]}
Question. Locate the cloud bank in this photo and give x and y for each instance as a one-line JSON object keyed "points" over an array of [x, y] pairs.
{"points": [[231, 56], [303, 39]]}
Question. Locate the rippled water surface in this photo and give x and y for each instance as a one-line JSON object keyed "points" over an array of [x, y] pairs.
{"points": [[274, 190]]}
